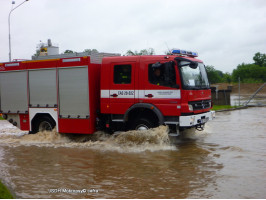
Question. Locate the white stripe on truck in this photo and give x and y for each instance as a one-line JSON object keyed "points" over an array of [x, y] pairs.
{"points": [[128, 94]]}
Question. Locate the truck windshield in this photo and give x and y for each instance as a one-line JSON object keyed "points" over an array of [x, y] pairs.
{"points": [[194, 78]]}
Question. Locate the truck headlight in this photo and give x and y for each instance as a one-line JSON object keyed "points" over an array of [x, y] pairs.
{"points": [[190, 107]]}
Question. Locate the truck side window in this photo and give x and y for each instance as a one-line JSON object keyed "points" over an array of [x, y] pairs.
{"points": [[162, 74], [156, 74], [122, 74]]}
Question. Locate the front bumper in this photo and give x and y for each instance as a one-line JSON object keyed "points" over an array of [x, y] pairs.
{"points": [[194, 120]]}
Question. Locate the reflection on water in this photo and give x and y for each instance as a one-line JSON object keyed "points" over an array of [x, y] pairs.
{"points": [[225, 161]]}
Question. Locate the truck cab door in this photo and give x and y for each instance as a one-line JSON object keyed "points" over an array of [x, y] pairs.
{"points": [[122, 87], [161, 86]]}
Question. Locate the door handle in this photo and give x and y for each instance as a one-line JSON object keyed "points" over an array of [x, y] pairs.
{"points": [[114, 95], [149, 95]]}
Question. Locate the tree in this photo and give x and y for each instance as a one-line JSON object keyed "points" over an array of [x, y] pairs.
{"points": [[227, 78], [37, 53], [214, 75], [249, 73], [167, 52], [220, 73], [68, 51], [89, 51], [260, 59], [149, 51]]}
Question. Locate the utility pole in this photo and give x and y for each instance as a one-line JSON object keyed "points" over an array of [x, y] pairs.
{"points": [[9, 34], [239, 90]]}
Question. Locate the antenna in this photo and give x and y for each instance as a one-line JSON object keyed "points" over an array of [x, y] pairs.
{"points": [[168, 48]]}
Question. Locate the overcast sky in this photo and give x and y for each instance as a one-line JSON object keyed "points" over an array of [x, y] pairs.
{"points": [[225, 33]]}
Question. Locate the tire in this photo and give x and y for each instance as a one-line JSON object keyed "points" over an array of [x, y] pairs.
{"points": [[44, 124], [142, 124]]}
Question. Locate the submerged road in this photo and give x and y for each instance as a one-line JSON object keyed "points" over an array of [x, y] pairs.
{"points": [[226, 160]]}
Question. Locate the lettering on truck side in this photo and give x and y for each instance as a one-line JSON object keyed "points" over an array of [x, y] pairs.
{"points": [[126, 92]]}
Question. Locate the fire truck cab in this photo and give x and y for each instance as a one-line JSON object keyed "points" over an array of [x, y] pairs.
{"points": [[147, 91]]}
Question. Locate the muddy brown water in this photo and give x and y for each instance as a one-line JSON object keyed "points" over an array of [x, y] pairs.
{"points": [[226, 160]]}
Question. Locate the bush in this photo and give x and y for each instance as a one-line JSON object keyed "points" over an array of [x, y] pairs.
{"points": [[214, 76], [252, 80], [249, 73]]}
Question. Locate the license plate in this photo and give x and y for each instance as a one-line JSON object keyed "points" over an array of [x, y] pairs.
{"points": [[204, 120]]}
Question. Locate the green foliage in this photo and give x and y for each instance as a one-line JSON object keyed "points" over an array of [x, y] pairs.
{"points": [[260, 59], [249, 73], [37, 53], [149, 51], [68, 51], [4, 193], [167, 52], [89, 51], [217, 76], [227, 78], [222, 107], [214, 76]]}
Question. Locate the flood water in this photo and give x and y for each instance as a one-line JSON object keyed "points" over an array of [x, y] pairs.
{"points": [[258, 100], [226, 160]]}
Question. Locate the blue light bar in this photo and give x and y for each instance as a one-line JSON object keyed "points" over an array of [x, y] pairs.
{"points": [[184, 52], [176, 51], [189, 53], [195, 54]]}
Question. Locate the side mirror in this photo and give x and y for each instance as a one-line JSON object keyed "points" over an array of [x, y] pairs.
{"points": [[193, 65]]}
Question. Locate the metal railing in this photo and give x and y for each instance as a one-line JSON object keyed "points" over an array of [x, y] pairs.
{"points": [[252, 97]]}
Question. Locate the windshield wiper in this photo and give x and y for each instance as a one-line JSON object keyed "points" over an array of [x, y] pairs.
{"points": [[205, 87], [193, 87]]}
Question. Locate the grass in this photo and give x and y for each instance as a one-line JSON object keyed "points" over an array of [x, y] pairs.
{"points": [[1, 118], [223, 107], [4, 193]]}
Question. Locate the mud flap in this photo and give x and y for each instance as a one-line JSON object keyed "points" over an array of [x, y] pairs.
{"points": [[175, 132]]}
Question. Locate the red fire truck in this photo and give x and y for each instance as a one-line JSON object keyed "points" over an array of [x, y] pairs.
{"points": [[81, 94]]}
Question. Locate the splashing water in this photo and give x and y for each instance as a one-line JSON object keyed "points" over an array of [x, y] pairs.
{"points": [[135, 141], [157, 136], [131, 141]]}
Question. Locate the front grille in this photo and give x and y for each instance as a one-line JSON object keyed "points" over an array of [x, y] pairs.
{"points": [[199, 105]]}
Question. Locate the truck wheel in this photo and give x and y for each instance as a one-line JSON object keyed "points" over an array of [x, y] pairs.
{"points": [[44, 124], [142, 124]]}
